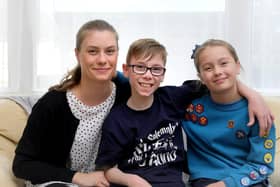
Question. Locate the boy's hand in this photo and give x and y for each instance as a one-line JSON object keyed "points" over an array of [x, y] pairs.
{"points": [[259, 109], [217, 184], [137, 181], [95, 178]]}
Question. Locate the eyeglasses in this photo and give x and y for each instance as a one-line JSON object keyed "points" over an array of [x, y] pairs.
{"points": [[141, 70]]}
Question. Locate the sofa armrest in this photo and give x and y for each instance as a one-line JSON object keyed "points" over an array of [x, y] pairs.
{"points": [[12, 122], [6, 158]]}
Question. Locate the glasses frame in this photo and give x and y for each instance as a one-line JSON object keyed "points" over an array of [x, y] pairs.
{"points": [[132, 66]]}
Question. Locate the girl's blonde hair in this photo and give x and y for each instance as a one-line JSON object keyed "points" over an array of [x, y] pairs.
{"points": [[211, 43]]}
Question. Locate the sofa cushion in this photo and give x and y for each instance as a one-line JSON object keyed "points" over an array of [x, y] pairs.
{"points": [[12, 119], [274, 103]]}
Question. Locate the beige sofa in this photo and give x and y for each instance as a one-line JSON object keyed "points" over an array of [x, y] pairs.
{"points": [[13, 119]]}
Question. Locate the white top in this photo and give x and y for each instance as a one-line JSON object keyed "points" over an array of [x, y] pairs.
{"points": [[87, 138]]}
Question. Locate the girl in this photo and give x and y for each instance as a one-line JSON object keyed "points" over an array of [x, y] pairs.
{"points": [[222, 150]]}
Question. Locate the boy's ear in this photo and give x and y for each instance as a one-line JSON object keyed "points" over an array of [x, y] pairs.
{"points": [[125, 70], [162, 78]]}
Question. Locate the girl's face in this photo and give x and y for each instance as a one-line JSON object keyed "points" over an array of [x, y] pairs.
{"points": [[98, 55], [218, 69], [144, 85]]}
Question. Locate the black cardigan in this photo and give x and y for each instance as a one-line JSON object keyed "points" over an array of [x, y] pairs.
{"points": [[43, 151]]}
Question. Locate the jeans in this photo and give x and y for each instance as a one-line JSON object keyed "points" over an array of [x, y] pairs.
{"points": [[202, 182]]}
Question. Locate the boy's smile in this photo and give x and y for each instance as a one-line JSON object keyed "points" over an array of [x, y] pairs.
{"points": [[144, 84]]}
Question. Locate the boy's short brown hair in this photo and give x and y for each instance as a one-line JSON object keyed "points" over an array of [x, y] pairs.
{"points": [[146, 48]]}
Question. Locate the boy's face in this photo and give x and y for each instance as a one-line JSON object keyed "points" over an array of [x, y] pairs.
{"points": [[143, 85]]}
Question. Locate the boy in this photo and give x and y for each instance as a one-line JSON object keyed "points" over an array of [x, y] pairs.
{"points": [[143, 137]]}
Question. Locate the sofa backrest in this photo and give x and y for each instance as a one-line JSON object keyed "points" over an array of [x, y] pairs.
{"points": [[12, 120]]}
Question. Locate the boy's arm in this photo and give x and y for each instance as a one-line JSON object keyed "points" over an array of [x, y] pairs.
{"points": [[257, 107], [116, 176]]}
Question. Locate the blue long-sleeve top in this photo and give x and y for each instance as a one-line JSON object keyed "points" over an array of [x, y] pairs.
{"points": [[222, 147]]}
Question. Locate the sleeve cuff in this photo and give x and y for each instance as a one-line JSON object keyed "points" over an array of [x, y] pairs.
{"points": [[229, 182]]}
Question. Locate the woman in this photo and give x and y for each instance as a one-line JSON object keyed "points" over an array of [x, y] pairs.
{"points": [[62, 135]]}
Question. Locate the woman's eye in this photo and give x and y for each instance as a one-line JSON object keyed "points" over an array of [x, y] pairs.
{"points": [[92, 51], [224, 63], [110, 51]]}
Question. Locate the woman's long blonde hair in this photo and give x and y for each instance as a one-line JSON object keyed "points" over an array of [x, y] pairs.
{"points": [[73, 77]]}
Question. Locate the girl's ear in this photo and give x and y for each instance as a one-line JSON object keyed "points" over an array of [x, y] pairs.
{"points": [[125, 70], [199, 76]]}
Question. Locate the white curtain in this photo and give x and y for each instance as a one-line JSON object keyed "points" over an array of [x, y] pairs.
{"points": [[37, 37]]}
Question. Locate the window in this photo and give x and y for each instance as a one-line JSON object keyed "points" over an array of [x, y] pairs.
{"points": [[37, 45], [132, 20], [3, 46]]}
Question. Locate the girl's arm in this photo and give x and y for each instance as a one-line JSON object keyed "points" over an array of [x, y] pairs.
{"points": [[257, 108]]}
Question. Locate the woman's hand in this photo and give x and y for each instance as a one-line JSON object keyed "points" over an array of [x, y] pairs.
{"points": [[91, 179]]}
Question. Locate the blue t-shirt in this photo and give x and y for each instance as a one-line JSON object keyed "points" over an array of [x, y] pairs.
{"points": [[148, 142], [221, 146]]}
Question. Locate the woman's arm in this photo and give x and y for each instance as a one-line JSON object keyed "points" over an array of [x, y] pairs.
{"points": [[257, 108], [116, 176], [40, 155]]}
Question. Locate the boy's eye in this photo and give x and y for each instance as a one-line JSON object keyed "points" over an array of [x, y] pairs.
{"points": [[157, 69], [140, 67]]}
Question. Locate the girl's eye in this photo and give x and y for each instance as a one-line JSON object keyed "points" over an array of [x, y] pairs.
{"points": [[207, 68]]}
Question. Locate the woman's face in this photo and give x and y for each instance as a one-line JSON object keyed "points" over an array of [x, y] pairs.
{"points": [[98, 56]]}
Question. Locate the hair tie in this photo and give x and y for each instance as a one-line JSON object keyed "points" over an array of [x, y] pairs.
{"points": [[194, 50]]}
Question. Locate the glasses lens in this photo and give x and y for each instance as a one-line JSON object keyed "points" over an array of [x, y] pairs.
{"points": [[139, 69], [157, 70]]}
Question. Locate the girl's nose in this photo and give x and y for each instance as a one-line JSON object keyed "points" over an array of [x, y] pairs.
{"points": [[217, 70]]}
